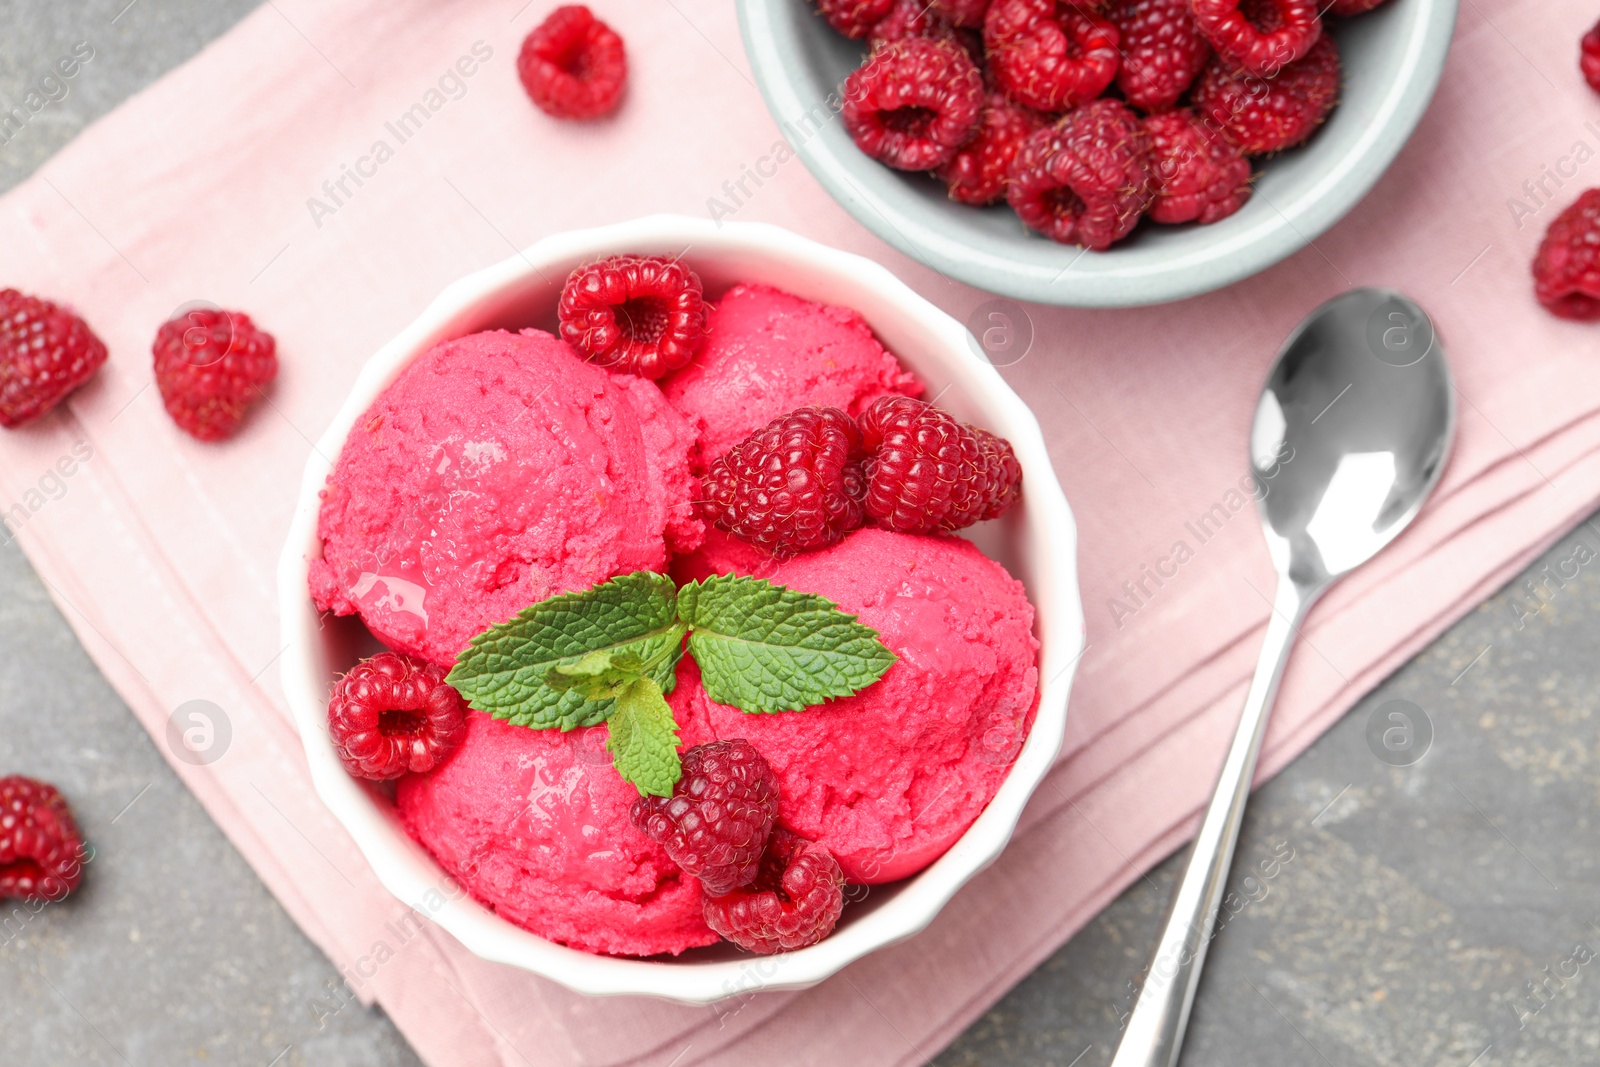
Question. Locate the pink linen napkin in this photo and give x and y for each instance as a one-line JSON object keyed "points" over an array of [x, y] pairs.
{"points": [[229, 181]]}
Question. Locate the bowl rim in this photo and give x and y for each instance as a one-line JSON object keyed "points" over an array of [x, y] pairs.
{"points": [[415, 879], [1293, 225]]}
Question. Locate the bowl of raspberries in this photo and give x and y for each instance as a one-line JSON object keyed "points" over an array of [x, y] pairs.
{"points": [[680, 609], [1097, 153]]}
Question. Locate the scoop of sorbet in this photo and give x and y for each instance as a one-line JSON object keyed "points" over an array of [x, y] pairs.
{"points": [[498, 470], [769, 352], [887, 779], [534, 823]]}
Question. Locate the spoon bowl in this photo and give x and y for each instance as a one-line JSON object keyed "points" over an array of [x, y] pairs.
{"points": [[1360, 405], [1350, 436]]}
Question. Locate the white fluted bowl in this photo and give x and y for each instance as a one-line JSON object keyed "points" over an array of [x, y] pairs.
{"points": [[1037, 543]]}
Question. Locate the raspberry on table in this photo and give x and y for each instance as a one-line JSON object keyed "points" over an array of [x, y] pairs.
{"points": [[45, 353], [1589, 58], [210, 366], [1290, 109], [394, 714], [1566, 270], [795, 900], [977, 173], [913, 103], [643, 315], [1086, 179], [928, 472], [573, 66], [717, 821], [1262, 36], [793, 486], [1050, 54], [1162, 51], [41, 850], [853, 18], [1199, 175]]}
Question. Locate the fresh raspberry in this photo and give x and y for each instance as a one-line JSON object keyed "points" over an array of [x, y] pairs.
{"points": [[929, 472], [1199, 175], [1086, 179], [911, 18], [913, 103], [45, 353], [1162, 51], [1262, 36], [967, 13], [978, 171], [573, 65], [41, 851], [392, 714], [643, 315], [716, 823], [1268, 116], [1049, 54], [1589, 58], [853, 18], [211, 365], [1349, 7], [794, 485], [1566, 272], [794, 901]]}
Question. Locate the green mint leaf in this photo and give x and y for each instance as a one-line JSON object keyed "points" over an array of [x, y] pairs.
{"points": [[560, 663], [598, 676], [568, 673], [644, 739], [762, 647], [603, 667], [594, 664]]}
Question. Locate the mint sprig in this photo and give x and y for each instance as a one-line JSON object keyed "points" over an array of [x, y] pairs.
{"points": [[609, 654]]}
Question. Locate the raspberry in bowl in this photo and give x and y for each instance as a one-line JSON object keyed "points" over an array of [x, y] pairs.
{"points": [[1080, 219], [427, 844]]}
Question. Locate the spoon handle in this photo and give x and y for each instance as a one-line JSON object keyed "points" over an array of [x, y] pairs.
{"points": [[1154, 1033]]}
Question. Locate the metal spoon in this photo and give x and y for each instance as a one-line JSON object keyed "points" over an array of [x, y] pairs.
{"points": [[1350, 436]]}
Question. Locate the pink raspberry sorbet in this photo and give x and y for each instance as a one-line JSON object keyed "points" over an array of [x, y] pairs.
{"points": [[768, 352], [534, 823], [889, 778], [498, 470]]}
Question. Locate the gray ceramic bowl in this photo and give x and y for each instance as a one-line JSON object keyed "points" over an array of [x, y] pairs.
{"points": [[1392, 61]]}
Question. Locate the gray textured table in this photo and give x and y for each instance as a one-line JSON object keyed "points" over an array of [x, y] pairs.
{"points": [[1421, 907]]}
